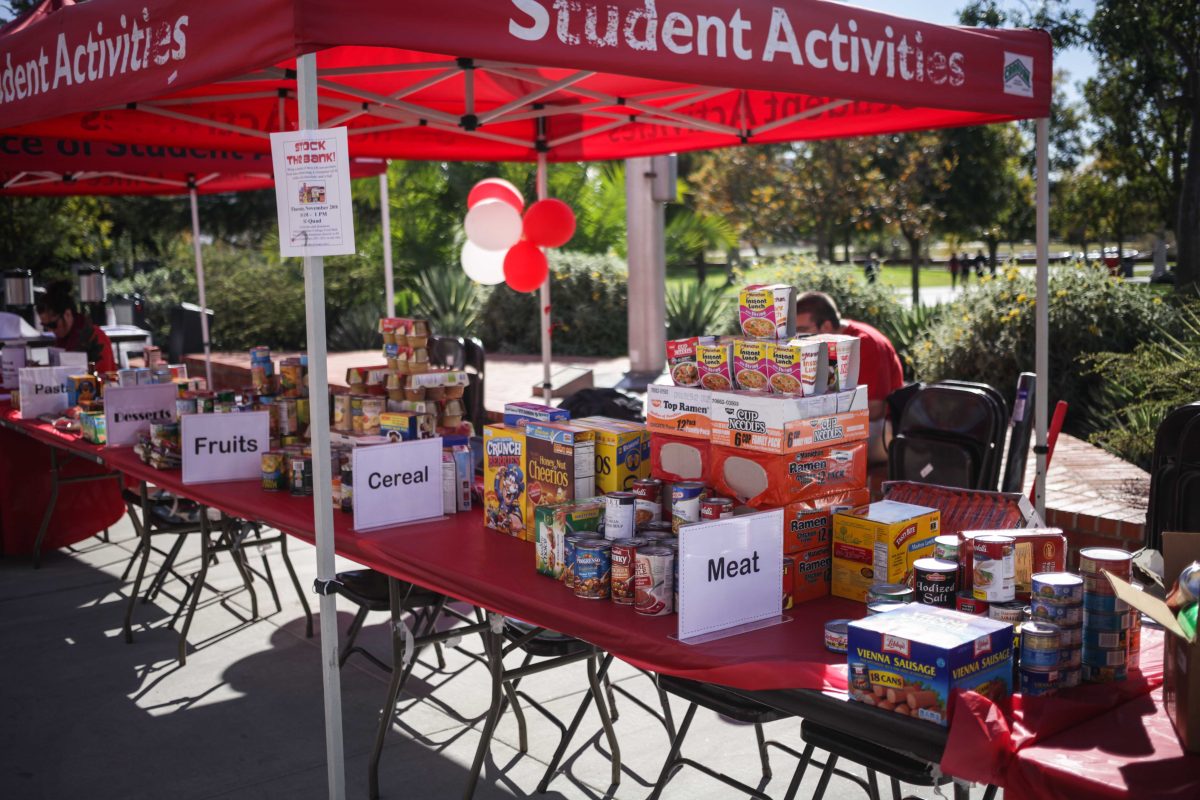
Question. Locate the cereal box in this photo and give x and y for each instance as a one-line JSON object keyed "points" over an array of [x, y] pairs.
{"points": [[681, 359], [768, 480], [776, 423], [813, 573], [552, 524], [678, 411], [783, 368], [504, 479], [715, 363], [521, 414], [560, 464], [910, 661], [750, 364], [877, 543], [622, 452], [767, 312], [809, 523]]}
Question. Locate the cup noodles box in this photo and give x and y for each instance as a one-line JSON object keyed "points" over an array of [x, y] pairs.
{"points": [[878, 543], [715, 364], [504, 480], [552, 524], [679, 411], [774, 423], [523, 413], [560, 465], [622, 452], [678, 458], [843, 358], [751, 360], [681, 359], [768, 480], [911, 661], [767, 312], [809, 523], [1037, 550]]}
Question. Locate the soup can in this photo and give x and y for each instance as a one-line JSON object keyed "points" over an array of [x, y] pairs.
{"points": [[1104, 603], [1102, 674], [1118, 562], [648, 500], [945, 547], [1058, 613], [1011, 612], [965, 602], [272, 471], [894, 592], [1036, 682], [685, 503], [569, 541], [1041, 645], [994, 569], [716, 508], [593, 569], [1069, 678], [619, 515], [883, 607], [301, 476], [837, 635], [934, 581], [624, 567], [654, 590], [1057, 587]]}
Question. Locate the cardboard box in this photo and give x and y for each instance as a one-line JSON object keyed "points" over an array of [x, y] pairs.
{"points": [[1181, 654], [967, 509], [769, 480], [678, 458], [518, 414], [1037, 550], [809, 523], [813, 574], [504, 480], [883, 539], [911, 660], [679, 411], [406, 426], [552, 524], [560, 465], [774, 423], [622, 452]]}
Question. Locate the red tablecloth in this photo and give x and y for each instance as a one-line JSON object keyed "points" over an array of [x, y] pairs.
{"points": [[82, 509]]}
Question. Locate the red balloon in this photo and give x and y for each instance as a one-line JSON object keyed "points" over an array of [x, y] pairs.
{"points": [[549, 223], [525, 267], [497, 189]]}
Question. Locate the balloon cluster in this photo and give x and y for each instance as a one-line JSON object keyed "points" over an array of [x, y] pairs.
{"points": [[504, 246]]}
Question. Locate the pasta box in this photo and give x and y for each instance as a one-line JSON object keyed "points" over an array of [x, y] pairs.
{"points": [[878, 543], [911, 661], [552, 525], [679, 411], [622, 452]]}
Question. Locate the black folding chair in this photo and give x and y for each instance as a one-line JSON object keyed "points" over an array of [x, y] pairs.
{"points": [[368, 590]]}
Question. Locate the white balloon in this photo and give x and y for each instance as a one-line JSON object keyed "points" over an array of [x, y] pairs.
{"points": [[483, 266], [493, 225]]}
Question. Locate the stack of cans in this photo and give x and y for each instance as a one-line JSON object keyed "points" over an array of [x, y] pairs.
{"points": [[1105, 618], [1057, 598], [262, 368]]}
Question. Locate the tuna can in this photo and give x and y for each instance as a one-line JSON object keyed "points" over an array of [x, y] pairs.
{"points": [[1093, 620], [624, 567], [934, 581], [648, 503], [1072, 636], [966, 603], [618, 515], [272, 471], [1037, 682], [882, 607], [860, 676], [716, 508], [301, 476], [654, 588], [569, 543], [685, 503], [1058, 587], [347, 473], [1118, 562], [1058, 613], [1102, 674], [1105, 640], [837, 635], [1070, 658], [1011, 612], [1103, 603], [289, 424], [1040, 645], [1094, 657], [893, 592], [945, 547], [1069, 678], [994, 569], [593, 569], [185, 405]]}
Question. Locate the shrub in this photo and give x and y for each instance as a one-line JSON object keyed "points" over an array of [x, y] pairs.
{"points": [[448, 299], [588, 294], [698, 309]]}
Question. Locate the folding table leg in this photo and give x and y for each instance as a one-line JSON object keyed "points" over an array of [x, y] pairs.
{"points": [[896, 793], [164, 570], [798, 775], [574, 726], [605, 721], [389, 706], [53, 501], [287, 562], [197, 587], [826, 774], [494, 646], [762, 750], [673, 755], [144, 530]]}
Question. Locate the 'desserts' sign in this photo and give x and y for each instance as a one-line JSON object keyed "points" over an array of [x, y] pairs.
{"points": [[130, 410], [730, 573], [397, 483], [43, 390], [223, 447]]}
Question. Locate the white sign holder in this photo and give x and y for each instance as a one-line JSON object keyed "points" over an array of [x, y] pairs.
{"points": [[129, 410], [43, 390], [224, 447], [397, 483], [312, 192], [730, 576]]}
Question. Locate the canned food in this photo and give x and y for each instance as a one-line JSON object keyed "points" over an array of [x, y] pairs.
{"points": [[1102, 674], [934, 581], [185, 405], [1011, 612], [205, 402], [1097, 657], [347, 473], [648, 500], [895, 592], [882, 607], [860, 676], [716, 508], [289, 424], [1096, 584], [654, 588], [593, 569], [1061, 587], [1072, 636], [624, 567], [945, 547], [1118, 562], [619, 515], [966, 603], [342, 415], [1069, 678], [994, 569], [1040, 645], [837, 635], [1105, 640], [1070, 658], [1093, 620], [1036, 682], [301, 476], [291, 377], [1058, 613], [1103, 603], [272, 471], [569, 543], [372, 413], [657, 528], [685, 503]]}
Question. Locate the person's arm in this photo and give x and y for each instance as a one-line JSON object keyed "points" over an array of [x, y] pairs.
{"points": [[876, 409]]}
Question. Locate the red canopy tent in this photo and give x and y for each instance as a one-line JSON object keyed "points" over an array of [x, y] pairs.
{"points": [[518, 80]]}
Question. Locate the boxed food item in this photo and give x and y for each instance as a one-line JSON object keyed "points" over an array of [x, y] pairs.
{"points": [[843, 358], [809, 523], [776, 423], [93, 427], [1036, 550], [910, 661], [813, 573], [552, 525], [622, 450], [678, 458], [682, 361], [878, 543], [405, 426], [789, 581], [967, 509], [560, 465], [767, 312], [750, 365], [522, 413], [784, 368], [504, 479], [814, 365], [767, 480], [679, 411], [715, 363]]}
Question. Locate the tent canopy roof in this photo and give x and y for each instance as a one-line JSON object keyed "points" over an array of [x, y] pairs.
{"points": [[454, 80]]}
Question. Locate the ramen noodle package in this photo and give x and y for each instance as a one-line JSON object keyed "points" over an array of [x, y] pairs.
{"points": [[750, 364], [681, 359], [778, 423], [809, 523], [813, 568], [784, 368], [814, 365], [674, 458], [715, 362], [843, 359], [878, 543], [678, 411], [767, 312], [763, 480]]}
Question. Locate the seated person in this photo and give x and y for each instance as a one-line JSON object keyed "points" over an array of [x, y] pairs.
{"points": [[72, 330]]}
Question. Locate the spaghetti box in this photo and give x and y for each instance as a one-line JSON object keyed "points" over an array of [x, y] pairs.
{"points": [[521, 414], [883, 539], [678, 411], [622, 452], [504, 480], [553, 524], [911, 661], [560, 465]]}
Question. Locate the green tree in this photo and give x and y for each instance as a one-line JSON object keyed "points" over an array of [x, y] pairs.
{"points": [[46, 234], [984, 192]]}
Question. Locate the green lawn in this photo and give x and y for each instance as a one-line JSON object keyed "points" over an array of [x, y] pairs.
{"points": [[897, 276]]}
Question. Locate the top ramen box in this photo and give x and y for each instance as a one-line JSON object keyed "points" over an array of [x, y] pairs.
{"points": [[1036, 550], [560, 465], [504, 480], [767, 312], [523, 413], [679, 411], [622, 452], [772, 423], [911, 661], [553, 524]]}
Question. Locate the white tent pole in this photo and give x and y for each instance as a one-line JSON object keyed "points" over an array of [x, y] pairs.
{"points": [[544, 296], [1042, 334], [318, 390], [200, 284], [385, 215]]}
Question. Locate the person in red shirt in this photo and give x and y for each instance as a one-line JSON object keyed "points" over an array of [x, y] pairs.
{"points": [[72, 330], [879, 365]]}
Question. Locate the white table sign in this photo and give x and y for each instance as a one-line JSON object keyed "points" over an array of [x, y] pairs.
{"points": [[129, 410], [312, 192], [730, 575], [397, 483], [43, 390], [224, 447]]}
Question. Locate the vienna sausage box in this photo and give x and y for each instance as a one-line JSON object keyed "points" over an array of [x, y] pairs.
{"points": [[622, 452], [910, 661], [504, 480]]}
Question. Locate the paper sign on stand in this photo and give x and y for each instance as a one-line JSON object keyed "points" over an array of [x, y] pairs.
{"points": [[312, 192], [223, 447], [730, 576], [129, 410], [397, 483], [43, 390]]}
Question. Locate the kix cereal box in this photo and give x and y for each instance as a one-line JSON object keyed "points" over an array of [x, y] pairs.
{"points": [[622, 452], [878, 543], [560, 465], [552, 525], [504, 480], [911, 660]]}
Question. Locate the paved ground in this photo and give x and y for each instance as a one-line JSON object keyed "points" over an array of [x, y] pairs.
{"points": [[89, 716]]}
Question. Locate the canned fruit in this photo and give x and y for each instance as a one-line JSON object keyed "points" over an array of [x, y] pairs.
{"points": [[272, 471]]}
